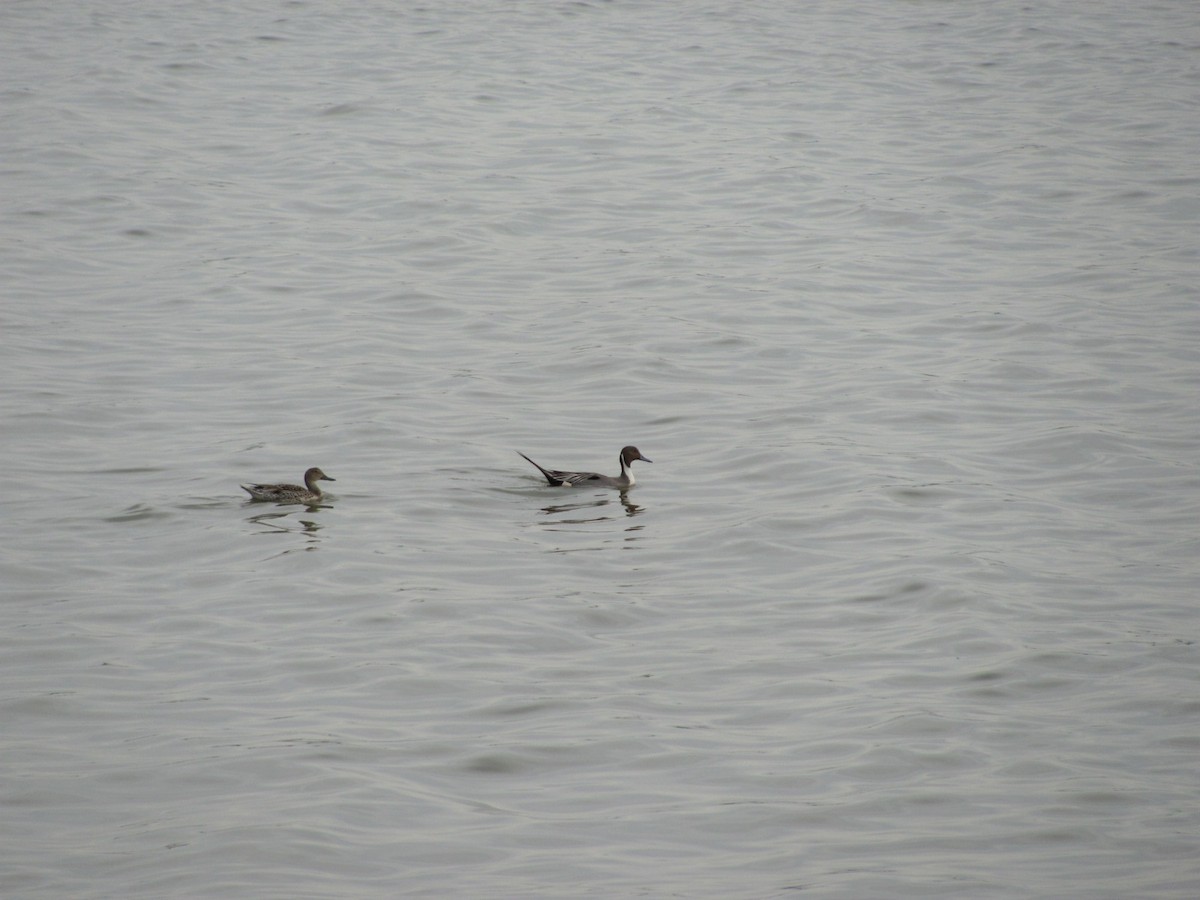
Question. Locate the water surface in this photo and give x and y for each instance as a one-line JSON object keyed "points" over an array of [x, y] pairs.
{"points": [[901, 300]]}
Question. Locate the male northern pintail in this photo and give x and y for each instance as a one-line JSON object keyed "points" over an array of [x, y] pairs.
{"points": [[290, 493], [623, 481]]}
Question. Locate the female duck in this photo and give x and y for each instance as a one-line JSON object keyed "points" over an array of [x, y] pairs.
{"points": [[623, 482], [290, 493]]}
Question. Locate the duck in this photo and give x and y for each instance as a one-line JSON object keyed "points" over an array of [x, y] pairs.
{"points": [[290, 493], [623, 482]]}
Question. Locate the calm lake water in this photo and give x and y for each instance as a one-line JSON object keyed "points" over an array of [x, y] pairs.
{"points": [[901, 299]]}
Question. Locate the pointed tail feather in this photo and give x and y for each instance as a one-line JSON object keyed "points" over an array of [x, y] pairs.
{"points": [[554, 482]]}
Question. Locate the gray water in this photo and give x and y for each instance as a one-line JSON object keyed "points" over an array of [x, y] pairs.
{"points": [[900, 297]]}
